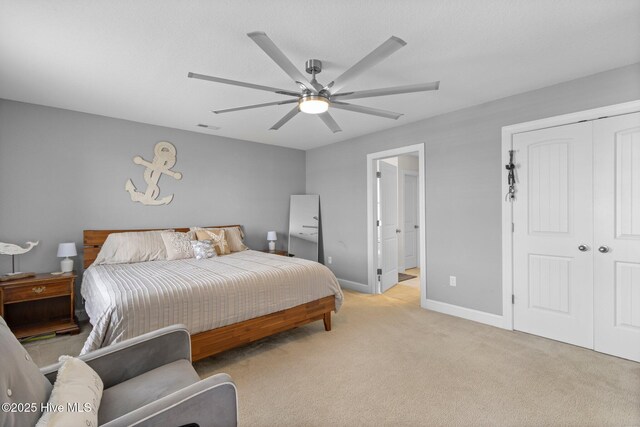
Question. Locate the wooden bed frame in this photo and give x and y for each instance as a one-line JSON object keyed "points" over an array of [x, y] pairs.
{"points": [[209, 343]]}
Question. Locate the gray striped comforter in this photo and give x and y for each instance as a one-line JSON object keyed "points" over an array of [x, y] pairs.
{"points": [[126, 300]]}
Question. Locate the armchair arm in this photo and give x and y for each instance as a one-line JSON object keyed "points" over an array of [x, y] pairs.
{"points": [[130, 358], [212, 402]]}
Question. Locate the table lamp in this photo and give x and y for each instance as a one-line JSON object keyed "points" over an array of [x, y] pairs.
{"points": [[66, 250], [272, 237]]}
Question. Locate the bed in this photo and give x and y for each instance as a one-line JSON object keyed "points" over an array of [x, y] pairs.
{"points": [[225, 301]]}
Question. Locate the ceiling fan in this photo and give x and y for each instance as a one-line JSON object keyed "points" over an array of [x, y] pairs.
{"points": [[313, 97]]}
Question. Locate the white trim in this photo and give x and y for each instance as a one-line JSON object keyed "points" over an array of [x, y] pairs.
{"points": [[466, 313], [354, 286], [593, 114], [507, 237], [507, 213], [372, 284]]}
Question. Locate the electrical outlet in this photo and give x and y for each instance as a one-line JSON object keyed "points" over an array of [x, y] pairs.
{"points": [[330, 260], [452, 280]]}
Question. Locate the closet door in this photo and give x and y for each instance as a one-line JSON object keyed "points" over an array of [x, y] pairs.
{"points": [[617, 235], [553, 233]]}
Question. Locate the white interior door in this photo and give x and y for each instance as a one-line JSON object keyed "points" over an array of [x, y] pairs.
{"points": [[553, 218], [410, 226], [388, 229], [617, 235]]}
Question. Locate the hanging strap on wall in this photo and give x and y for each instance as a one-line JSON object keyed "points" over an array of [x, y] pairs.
{"points": [[511, 179]]}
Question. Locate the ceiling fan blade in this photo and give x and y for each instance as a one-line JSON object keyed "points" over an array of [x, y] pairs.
{"points": [[270, 48], [243, 84], [249, 107], [328, 120], [377, 55], [422, 87], [286, 118], [366, 110]]}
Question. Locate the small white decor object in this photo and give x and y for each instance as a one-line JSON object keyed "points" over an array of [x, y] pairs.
{"points": [[272, 237], [66, 250], [13, 250], [163, 160]]}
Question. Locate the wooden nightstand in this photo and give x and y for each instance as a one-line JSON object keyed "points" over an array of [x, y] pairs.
{"points": [[39, 305], [282, 253]]}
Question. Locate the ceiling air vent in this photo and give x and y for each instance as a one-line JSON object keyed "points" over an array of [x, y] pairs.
{"points": [[208, 126]]}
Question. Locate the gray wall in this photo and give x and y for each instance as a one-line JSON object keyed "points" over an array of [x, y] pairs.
{"points": [[63, 171], [463, 188]]}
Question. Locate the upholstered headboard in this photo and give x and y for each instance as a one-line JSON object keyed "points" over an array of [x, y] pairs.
{"points": [[93, 239]]}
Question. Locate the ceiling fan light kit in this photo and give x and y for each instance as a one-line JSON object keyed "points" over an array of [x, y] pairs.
{"points": [[313, 104], [313, 97]]}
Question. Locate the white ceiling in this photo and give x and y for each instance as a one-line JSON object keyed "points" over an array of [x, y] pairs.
{"points": [[129, 59]]}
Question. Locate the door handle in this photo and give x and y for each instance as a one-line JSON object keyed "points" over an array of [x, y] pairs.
{"points": [[416, 226], [398, 231], [583, 248], [603, 249]]}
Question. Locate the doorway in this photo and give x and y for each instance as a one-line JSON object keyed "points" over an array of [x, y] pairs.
{"points": [[396, 219]]}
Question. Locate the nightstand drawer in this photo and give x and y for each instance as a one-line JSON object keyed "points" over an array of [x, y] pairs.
{"points": [[36, 291]]}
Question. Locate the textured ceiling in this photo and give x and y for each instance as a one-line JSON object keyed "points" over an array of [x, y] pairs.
{"points": [[129, 59]]}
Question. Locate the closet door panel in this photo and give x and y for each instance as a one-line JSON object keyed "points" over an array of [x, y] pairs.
{"points": [[617, 235], [553, 278]]}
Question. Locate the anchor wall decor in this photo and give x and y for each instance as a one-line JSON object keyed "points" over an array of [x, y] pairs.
{"points": [[163, 160]]}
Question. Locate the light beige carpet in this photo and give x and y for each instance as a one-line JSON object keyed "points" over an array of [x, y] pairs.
{"points": [[389, 362]]}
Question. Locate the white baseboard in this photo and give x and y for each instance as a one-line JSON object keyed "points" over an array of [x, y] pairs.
{"points": [[354, 286], [465, 313]]}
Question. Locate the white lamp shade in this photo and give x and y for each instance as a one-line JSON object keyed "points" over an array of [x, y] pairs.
{"points": [[271, 236], [67, 249]]}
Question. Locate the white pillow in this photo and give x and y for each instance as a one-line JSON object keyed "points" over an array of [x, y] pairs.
{"points": [[75, 396], [132, 246], [178, 245]]}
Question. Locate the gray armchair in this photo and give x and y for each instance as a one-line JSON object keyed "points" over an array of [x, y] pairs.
{"points": [[148, 381]]}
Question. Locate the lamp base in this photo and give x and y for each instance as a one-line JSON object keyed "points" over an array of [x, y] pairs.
{"points": [[272, 246], [66, 265]]}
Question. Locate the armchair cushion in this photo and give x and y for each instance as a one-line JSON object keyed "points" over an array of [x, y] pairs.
{"points": [[20, 380], [146, 388], [211, 402]]}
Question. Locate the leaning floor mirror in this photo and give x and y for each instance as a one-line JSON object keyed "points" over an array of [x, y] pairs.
{"points": [[304, 226]]}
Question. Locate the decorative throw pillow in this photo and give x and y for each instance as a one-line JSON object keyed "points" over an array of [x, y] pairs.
{"points": [[178, 245], [77, 391], [132, 246], [218, 236], [234, 236], [203, 249]]}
